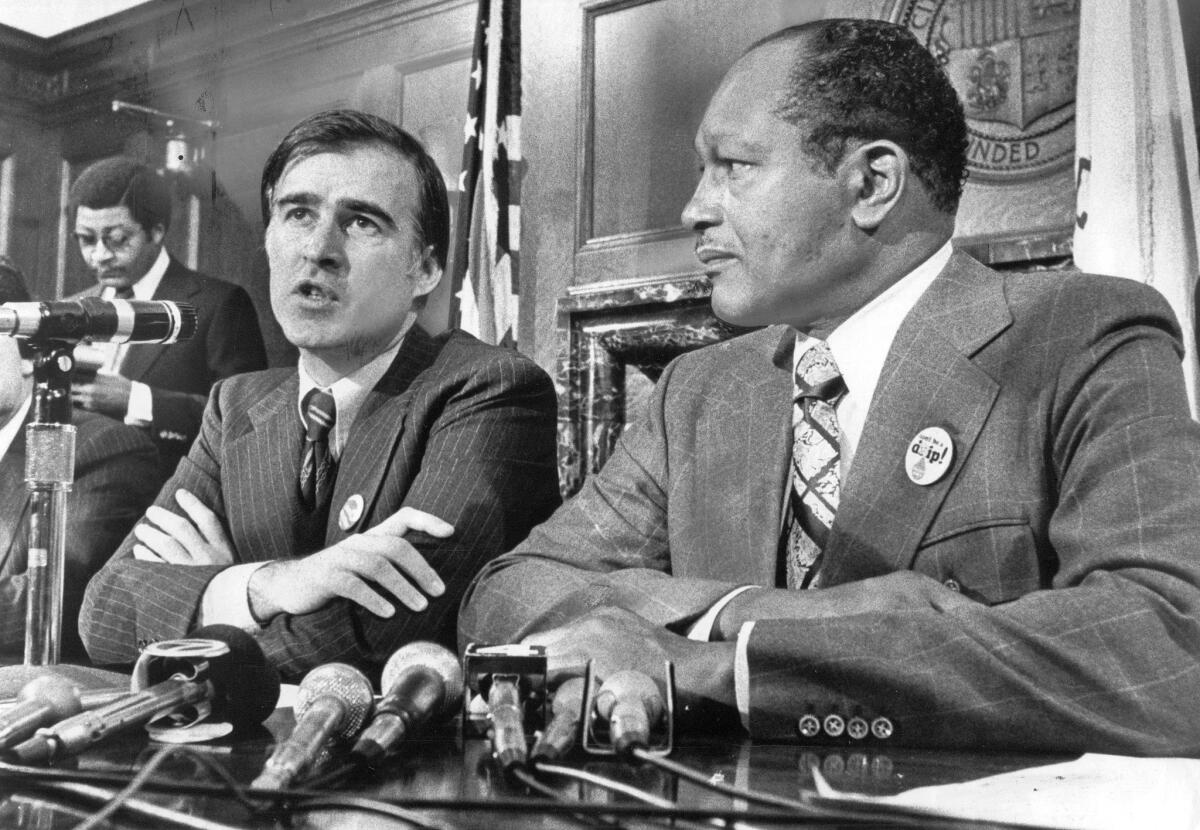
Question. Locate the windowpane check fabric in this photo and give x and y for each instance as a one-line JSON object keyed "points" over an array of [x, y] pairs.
{"points": [[317, 467], [815, 457]]}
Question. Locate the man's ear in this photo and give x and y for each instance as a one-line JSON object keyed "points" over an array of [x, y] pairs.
{"points": [[157, 233], [878, 174], [427, 275]]}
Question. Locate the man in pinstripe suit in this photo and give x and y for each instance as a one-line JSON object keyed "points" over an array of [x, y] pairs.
{"points": [[441, 453], [1014, 560]]}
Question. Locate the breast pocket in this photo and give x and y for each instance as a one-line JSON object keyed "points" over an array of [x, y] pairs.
{"points": [[991, 563]]}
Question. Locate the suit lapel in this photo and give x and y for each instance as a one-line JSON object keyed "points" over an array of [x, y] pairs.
{"points": [[370, 446], [177, 286], [928, 380], [271, 448], [14, 501]]}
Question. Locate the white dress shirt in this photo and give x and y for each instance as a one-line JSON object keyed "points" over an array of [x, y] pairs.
{"points": [[110, 356], [226, 598], [8, 432]]}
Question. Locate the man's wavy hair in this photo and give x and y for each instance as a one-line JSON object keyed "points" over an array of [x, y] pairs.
{"points": [[860, 80]]}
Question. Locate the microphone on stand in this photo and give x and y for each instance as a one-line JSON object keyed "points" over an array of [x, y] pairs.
{"points": [[631, 703], [107, 321], [422, 680], [332, 701], [558, 738], [41, 701], [239, 685]]}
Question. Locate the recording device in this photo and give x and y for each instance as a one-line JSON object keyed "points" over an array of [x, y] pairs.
{"points": [[558, 738], [43, 700], [333, 701], [219, 671], [482, 663], [632, 705], [423, 680], [96, 320]]}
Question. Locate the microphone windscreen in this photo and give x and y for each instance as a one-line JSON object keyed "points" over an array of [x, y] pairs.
{"points": [[433, 657], [245, 684]]}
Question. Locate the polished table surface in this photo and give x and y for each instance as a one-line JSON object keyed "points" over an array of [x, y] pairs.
{"points": [[445, 778], [451, 781]]}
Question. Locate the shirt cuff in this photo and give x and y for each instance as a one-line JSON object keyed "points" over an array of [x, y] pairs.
{"points": [[702, 628], [741, 673], [140, 412], [226, 601]]}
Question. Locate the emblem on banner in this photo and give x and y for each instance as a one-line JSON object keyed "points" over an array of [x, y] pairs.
{"points": [[1013, 64]]}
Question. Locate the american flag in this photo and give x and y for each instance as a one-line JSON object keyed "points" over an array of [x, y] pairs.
{"points": [[487, 233]]}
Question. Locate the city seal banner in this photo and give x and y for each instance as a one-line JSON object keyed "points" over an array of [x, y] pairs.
{"points": [[1013, 63]]}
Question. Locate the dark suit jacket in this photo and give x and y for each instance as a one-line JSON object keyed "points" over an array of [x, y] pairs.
{"points": [[1069, 523], [227, 342], [115, 475], [457, 428]]}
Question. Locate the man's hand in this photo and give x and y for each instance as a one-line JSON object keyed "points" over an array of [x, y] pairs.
{"points": [[616, 639], [198, 539], [369, 569], [106, 393]]}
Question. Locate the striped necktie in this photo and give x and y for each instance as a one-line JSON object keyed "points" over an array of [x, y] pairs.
{"points": [[815, 456], [317, 467]]}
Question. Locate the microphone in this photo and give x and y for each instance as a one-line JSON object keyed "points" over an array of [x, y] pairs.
{"points": [[239, 685], [96, 320], [423, 680], [43, 700], [631, 703], [508, 721], [558, 738], [333, 700]]}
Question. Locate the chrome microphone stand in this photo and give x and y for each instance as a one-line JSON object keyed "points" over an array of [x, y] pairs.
{"points": [[49, 471]]}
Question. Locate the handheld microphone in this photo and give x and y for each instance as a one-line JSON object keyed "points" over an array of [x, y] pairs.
{"points": [[239, 685], [332, 701], [96, 320], [422, 680], [558, 738], [631, 703], [508, 721], [43, 700]]}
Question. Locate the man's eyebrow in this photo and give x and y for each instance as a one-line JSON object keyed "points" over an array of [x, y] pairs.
{"points": [[306, 199]]}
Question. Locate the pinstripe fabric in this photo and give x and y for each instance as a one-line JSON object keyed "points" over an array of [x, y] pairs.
{"points": [[455, 427], [1070, 519], [115, 479], [179, 375]]}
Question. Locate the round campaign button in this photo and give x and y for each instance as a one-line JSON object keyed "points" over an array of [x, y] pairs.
{"points": [[351, 512], [929, 456]]}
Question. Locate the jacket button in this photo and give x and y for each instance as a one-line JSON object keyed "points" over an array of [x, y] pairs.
{"points": [[882, 728], [809, 726], [953, 585], [834, 725]]}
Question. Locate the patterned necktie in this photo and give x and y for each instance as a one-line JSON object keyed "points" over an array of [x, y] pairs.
{"points": [[815, 456], [317, 467]]}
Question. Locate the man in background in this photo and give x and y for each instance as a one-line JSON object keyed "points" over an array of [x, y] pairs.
{"points": [[930, 503], [121, 211], [338, 510], [115, 475]]}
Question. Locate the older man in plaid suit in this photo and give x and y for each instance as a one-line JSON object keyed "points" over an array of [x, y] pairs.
{"points": [[929, 503]]}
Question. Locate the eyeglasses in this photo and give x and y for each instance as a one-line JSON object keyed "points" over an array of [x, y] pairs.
{"points": [[114, 241]]}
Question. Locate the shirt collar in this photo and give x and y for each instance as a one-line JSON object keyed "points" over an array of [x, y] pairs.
{"points": [[861, 343], [144, 288], [351, 391]]}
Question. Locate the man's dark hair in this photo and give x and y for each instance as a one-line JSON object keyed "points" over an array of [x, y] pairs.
{"points": [[859, 80], [123, 182], [341, 130]]}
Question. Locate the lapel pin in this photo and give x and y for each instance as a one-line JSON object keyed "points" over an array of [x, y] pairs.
{"points": [[929, 456], [351, 512]]}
